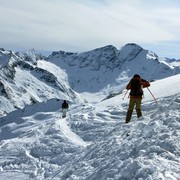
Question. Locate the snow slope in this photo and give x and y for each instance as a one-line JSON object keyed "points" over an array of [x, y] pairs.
{"points": [[91, 143], [26, 79], [30, 78]]}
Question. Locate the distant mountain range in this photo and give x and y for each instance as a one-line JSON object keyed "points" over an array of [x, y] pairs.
{"points": [[94, 70], [28, 78]]}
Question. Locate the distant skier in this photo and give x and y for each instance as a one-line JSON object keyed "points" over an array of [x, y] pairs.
{"points": [[65, 107], [136, 86]]}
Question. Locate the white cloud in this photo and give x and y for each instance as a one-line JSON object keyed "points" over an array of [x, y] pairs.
{"points": [[82, 25]]}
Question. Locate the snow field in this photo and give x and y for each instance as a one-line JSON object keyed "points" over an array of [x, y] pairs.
{"points": [[91, 143]]}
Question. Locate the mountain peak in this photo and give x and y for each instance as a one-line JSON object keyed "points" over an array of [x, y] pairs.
{"points": [[93, 70], [132, 44]]}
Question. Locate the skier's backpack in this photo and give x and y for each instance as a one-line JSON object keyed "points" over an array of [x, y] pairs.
{"points": [[136, 89]]}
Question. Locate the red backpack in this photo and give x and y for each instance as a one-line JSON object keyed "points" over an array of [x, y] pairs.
{"points": [[136, 89]]}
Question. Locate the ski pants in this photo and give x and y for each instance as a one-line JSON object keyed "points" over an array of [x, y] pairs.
{"points": [[64, 111], [134, 102]]}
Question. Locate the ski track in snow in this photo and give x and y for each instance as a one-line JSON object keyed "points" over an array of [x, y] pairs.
{"points": [[92, 143], [69, 134]]}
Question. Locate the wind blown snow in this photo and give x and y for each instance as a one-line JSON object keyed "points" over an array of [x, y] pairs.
{"points": [[92, 142]]}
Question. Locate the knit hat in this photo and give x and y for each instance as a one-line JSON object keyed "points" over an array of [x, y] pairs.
{"points": [[137, 76]]}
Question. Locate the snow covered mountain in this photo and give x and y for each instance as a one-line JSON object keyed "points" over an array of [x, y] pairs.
{"points": [[107, 66], [91, 143], [29, 78], [26, 79]]}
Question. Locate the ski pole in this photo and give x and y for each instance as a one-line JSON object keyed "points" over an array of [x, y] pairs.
{"points": [[152, 94], [124, 95]]}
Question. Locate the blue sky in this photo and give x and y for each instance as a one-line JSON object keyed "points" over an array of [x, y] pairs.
{"points": [[83, 25]]}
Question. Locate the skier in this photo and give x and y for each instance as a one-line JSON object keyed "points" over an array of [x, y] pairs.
{"points": [[136, 85], [65, 107]]}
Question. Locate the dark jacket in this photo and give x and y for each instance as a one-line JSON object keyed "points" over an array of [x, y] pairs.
{"points": [[65, 105]]}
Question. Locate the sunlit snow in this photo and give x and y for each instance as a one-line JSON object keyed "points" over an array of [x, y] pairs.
{"points": [[92, 142]]}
